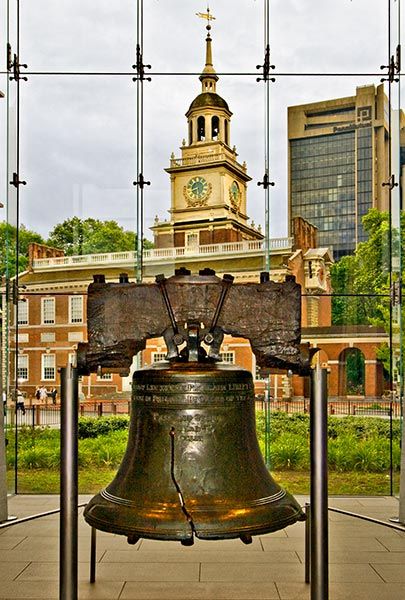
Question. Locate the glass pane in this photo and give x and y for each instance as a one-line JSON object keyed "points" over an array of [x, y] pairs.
{"points": [[78, 36], [78, 154], [74, 156], [329, 37], [331, 131], [207, 227], [182, 49]]}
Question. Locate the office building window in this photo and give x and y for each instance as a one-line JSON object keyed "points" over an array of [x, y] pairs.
{"points": [[22, 367], [76, 309], [22, 312], [48, 311], [48, 367], [158, 356]]}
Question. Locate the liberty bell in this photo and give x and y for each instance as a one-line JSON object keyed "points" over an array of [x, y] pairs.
{"points": [[192, 466]]}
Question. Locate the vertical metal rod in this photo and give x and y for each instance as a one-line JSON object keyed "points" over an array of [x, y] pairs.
{"points": [[307, 543], [391, 453], [3, 474], [319, 485], [267, 425], [93, 548], [68, 485]]}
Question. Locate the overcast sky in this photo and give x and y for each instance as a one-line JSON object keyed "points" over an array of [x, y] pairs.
{"points": [[78, 132]]}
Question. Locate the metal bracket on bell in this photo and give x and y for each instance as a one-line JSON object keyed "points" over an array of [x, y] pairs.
{"points": [[172, 336], [215, 334]]}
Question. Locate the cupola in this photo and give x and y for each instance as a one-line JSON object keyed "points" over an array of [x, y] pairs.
{"points": [[209, 115]]}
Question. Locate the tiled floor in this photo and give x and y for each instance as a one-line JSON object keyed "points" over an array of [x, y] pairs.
{"points": [[367, 561]]}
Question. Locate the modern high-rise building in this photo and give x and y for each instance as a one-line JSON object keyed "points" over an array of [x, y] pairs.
{"points": [[338, 162]]}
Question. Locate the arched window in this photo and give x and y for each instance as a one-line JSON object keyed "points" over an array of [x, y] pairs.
{"points": [[201, 129], [226, 132], [215, 128], [190, 132]]}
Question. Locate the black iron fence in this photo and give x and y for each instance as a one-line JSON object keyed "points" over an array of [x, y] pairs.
{"points": [[49, 415], [337, 406]]}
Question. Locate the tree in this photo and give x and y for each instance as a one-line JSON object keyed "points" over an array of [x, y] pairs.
{"points": [[92, 236], [8, 239], [366, 275]]}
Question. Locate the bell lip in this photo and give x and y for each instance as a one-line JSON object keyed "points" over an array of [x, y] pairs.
{"points": [[183, 530], [211, 534]]}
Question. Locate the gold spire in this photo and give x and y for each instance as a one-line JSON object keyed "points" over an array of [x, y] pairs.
{"points": [[208, 77]]}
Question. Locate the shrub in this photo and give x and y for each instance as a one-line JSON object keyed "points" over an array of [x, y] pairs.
{"points": [[39, 457], [289, 451], [340, 452], [104, 451], [92, 428]]}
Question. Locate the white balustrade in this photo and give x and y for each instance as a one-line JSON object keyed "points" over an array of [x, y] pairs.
{"points": [[162, 254]]}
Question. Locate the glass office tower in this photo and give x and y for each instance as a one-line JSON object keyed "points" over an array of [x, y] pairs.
{"points": [[338, 161]]}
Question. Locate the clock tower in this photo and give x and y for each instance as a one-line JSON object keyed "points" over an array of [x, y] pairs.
{"points": [[208, 184]]}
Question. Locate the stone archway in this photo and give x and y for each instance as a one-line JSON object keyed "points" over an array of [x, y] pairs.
{"points": [[352, 373]]}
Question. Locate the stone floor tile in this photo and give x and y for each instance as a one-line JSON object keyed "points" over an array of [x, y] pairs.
{"points": [[344, 591], [44, 554], [363, 529], [9, 571], [343, 543], [32, 590], [115, 542], [101, 590], [38, 527], [173, 571], [296, 530], [345, 503], [232, 572], [222, 545], [294, 591], [213, 556], [199, 591], [366, 591], [393, 544], [346, 573], [9, 542], [391, 573], [363, 557], [117, 572], [377, 501], [284, 545]]}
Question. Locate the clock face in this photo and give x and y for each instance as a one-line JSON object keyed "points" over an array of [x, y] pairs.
{"points": [[197, 187], [197, 191], [235, 194]]}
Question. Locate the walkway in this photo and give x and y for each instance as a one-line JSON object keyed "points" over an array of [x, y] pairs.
{"points": [[366, 561]]}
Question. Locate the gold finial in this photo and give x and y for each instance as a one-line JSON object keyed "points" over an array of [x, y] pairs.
{"points": [[207, 16]]}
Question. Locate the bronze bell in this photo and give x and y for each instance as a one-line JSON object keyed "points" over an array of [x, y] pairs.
{"points": [[192, 464]]}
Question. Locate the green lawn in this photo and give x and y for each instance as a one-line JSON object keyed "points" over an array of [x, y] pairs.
{"points": [[358, 454], [46, 481]]}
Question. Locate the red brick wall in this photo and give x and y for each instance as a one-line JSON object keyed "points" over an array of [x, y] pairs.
{"points": [[36, 251]]}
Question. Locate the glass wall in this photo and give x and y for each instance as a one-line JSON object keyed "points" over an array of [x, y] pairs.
{"points": [[250, 137]]}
